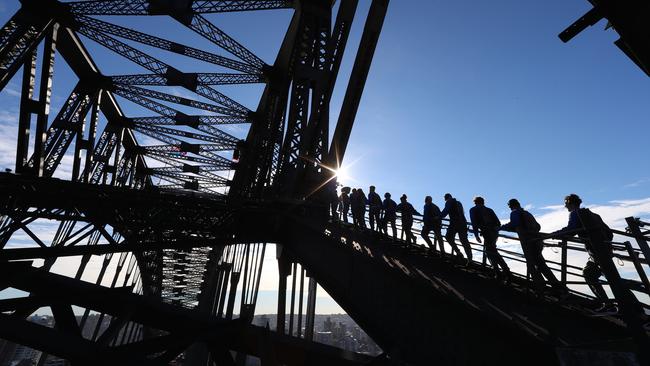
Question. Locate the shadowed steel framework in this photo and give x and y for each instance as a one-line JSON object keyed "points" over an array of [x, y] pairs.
{"points": [[179, 227]]}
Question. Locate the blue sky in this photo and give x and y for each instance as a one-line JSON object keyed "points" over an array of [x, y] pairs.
{"points": [[483, 98], [466, 97]]}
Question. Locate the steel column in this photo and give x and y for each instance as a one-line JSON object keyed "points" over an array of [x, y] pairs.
{"points": [[311, 309], [284, 269], [44, 95], [360, 70], [300, 302], [26, 110]]}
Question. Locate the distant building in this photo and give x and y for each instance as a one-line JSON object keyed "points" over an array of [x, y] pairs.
{"points": [[323, 337], [262, 321], [328, 325]]}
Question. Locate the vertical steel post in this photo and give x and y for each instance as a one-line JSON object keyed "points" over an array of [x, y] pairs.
{"points": [[300, 301], [563, 266], [234, 282], [293, 297], [219, 268], [311, 309], [44, 100], [637, 266], [259, 275], [118, 152], [284, 268], [244, 291], [79, 145], [224, 288], [26, 110], [633, 225], [92, 133], [484, 258]]}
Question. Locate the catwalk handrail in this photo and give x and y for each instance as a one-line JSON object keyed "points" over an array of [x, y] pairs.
{"points": [[623, 252]]}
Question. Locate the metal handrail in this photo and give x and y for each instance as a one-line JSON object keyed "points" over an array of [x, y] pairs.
{"points": [[622, 251]]}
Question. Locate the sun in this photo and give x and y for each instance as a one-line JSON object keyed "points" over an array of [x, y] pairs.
{"points": [[342, 174]]}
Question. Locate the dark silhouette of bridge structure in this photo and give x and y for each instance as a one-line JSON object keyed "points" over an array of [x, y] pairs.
{"points": [[167, 215]]}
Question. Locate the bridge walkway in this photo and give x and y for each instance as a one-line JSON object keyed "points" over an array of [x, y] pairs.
{"points": [[434, 308]]}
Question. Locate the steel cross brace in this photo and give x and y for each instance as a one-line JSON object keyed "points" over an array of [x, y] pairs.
{"points": [[140, 309]]}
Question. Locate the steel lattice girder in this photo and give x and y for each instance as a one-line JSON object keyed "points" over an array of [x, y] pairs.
{"points": [[192, 326], [139, 224], [157, 7], [168, 45], [203, 78], [131, 210]]}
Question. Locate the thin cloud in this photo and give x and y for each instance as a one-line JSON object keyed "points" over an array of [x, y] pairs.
{"points": [[182, 93], [8, 135], [234, 128], [145, 140], [12, 92], [639, 182], [613, 213], [552, 207], [7, 117], [64, 169]]}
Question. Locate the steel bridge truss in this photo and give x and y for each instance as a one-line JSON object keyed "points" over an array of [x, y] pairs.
{"points": [[630, 21], [162, 215]]}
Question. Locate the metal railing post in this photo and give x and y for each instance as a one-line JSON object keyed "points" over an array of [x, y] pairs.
{"points": [[563, 266], [637, 265], [635, 230], [484, 259]]}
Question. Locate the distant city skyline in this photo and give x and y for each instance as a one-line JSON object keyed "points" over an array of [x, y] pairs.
{"points": [[337, 330]]}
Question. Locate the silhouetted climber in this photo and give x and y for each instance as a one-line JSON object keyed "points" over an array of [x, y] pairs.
{"points": [[524, 224], [457, 225], [359, 202], [362, 207], [334, 202], [389, 207], [353, 207], [407, 211], [431, 221], [598, 235], [590, 226], [486, 221], [345, 203], [374, 204]]}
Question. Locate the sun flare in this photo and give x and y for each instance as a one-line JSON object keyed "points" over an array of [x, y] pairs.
{"points": [[342, 174]]}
